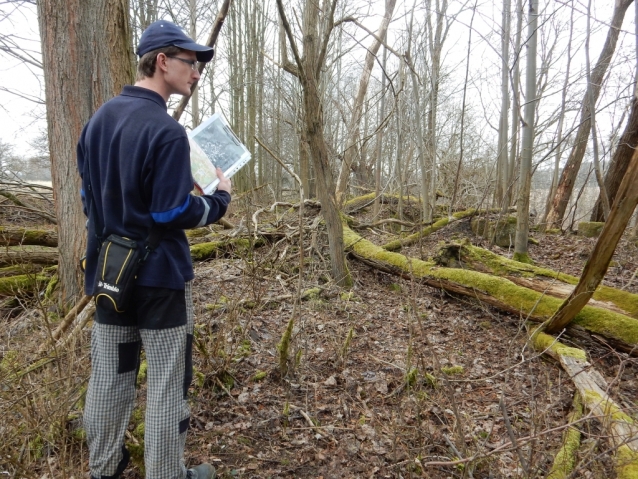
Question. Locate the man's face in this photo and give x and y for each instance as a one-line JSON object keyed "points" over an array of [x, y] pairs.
{"points": [[180, 74]]}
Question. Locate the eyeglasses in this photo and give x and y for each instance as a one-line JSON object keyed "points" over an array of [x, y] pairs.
{"points": [[192, 63]]}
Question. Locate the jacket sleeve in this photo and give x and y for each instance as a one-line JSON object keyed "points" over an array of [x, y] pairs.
{"points": [[170, 183]]}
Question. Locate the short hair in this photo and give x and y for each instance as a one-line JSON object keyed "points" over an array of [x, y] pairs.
{"points": [[146, 65]]}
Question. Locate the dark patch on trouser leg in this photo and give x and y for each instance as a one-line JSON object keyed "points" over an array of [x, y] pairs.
{"points": [[183, 425], [188, 366], [120, 467], [128, 356]]}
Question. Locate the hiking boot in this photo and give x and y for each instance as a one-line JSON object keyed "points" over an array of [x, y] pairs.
{"points": [[203, 471]]}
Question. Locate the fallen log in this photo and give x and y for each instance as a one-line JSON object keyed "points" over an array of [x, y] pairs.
{"points": [[592, 387], [494, 290], [14, 285], [543, 280], [14, 255], [19, 269], [565, 458], [214, 249], [11, 236], [413, 238]]}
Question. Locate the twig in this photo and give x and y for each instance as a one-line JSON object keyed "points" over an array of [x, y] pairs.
{"points": [[512, 436]]}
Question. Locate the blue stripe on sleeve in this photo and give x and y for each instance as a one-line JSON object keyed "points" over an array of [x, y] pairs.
{"points": [[170, 215], [81, 192]]}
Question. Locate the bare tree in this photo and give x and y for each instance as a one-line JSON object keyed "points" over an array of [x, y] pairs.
{"points": [[308, 71], [522, 218]]}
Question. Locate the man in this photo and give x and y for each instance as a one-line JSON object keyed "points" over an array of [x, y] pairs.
{"points": [[135, 167]]}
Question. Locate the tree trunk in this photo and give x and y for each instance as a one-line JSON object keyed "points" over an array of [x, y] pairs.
{"points": [[352, 147], [309, 74], [600, 257], [87, 60], [570, 172], [503, 127], [525, 178]]}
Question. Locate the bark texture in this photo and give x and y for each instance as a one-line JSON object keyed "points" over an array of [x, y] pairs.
{"points": [[87, 60]]}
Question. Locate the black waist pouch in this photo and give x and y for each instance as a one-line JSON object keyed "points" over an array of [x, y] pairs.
{"points": [[117, 267]]}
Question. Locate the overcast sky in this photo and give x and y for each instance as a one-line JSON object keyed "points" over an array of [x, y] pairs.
{"points": [[22, 120]]}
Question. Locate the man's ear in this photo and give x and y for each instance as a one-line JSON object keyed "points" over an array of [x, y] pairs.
{"points": [[160, 62]]}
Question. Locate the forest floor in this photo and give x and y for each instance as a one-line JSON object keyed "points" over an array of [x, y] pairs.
{"points": [[390, 379]]}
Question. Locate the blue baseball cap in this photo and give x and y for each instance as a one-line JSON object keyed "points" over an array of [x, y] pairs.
{"points": [[165, 34]]}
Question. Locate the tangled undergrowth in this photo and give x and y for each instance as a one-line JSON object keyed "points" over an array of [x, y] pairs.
{"points": [[389, 379]]}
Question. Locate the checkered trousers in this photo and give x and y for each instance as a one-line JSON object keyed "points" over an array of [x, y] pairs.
{"points": [[163, 325]]}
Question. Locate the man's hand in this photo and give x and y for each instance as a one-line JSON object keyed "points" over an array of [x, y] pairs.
{"points": [[224, 183]]}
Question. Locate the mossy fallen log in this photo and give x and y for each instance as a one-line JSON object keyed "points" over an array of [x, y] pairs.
{"points": [[592, 387], [413, 238], [214, 249], [565, 458], [543, 280], [19, 269], [494, 290], [11, 236], [14, 285]]}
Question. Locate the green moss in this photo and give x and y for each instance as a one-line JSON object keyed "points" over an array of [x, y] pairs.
{"points": [[24, 282], [51, 286], [523, 258], [197, 232], [395, 287], [565, 458], [413, 238], [452, 370], [500, 265], [590, 229], [411, 376], [141, 373], [431, 380], [284, 348], [626, 463], [347, 296], [36, 447], [137, 416], [545, 342], [312, 293], [9, 361], [139, 430], [609, 407], [259, 375], [212, 249], [199, 377]]}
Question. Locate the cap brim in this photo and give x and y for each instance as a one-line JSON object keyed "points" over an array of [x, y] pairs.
{"points": [[204, 54]]}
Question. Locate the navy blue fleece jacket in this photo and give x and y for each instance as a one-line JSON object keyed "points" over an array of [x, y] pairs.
{"points": [[139, 163]]}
